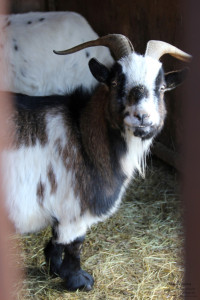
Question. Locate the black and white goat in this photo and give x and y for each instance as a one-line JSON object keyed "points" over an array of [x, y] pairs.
{"points": [[73, 156], [32, 68]]}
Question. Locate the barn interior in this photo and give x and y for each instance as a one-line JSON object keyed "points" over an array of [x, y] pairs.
{"points": [[137, 253]]}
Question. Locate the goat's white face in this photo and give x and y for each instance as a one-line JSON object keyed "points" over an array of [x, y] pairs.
{"points": [[144, 110], [136, 85]]}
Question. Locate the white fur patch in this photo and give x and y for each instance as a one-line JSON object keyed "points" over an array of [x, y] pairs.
{"points": [[135, 160], [56, 128], [142, 70]]}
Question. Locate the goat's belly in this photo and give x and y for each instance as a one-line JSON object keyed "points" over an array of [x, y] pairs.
{"points": [[39, 189], [26, 218], [24, 210], [24, 189]]}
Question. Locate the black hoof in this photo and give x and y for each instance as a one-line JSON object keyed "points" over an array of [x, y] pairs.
{"points": [[79, 280]]}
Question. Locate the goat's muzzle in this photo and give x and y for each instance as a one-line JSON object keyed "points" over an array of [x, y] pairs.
{"points": [[140, 125]]}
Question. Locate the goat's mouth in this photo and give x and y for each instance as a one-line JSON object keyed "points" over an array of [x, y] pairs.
{"points": [[143, 131]]}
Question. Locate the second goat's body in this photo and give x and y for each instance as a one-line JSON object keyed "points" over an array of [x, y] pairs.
{"points": [[31, 66]]}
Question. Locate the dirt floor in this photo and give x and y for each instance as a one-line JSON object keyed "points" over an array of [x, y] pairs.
{"points": [[136, 254]]}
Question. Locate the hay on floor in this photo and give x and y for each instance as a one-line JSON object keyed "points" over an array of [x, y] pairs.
{"points": [[136, 254]]}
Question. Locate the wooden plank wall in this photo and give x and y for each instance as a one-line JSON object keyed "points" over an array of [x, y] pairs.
{"points": [[191, 186], [21, 6], [141, 21]]}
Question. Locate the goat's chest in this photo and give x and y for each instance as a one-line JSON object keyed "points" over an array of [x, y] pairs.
{"points": [[135, 157]]}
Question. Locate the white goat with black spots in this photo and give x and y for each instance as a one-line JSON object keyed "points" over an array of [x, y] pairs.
{"points": [[73, 156], [33, 69]]}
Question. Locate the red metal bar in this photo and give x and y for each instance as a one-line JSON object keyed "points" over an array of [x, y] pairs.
{"points": [[8, 270]]}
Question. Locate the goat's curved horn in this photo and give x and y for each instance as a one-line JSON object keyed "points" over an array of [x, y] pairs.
{"points": [[156, 49], [118, 44]]}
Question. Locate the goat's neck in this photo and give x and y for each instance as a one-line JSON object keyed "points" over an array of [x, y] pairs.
{"points": [[93, 125], [97, 137]]}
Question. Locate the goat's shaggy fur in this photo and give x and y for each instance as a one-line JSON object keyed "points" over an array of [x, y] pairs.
{"points": [[73, 156]]}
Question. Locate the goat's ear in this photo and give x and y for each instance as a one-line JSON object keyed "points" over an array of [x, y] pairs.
{"points": [[98, 70], [175, 78]]}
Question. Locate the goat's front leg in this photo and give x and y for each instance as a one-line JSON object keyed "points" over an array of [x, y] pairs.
{"points": [[53, 255], [69, 267], [70, 270]]}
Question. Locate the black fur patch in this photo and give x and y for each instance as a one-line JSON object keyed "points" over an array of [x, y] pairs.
{"points": [[75, 104], [29, 121], [29, 22], [53, 255], [137, 93], [52, 179], [116, 74], [40, 192], [55, 228], [70, 270], [8, 23], [175, 78], [101, 193], [98, 70], [41, 19], [118, 90], [71, 106], [16, 47]]}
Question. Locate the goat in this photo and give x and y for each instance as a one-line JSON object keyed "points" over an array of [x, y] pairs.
{"points": [[73, 156], [34, 70]]}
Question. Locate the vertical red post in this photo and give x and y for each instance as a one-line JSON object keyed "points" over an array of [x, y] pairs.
{"points": [[8, 271]]}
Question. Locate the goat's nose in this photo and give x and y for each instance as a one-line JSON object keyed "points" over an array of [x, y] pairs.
{"points": [[142, 117]]}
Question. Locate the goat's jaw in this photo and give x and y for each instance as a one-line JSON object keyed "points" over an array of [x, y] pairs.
{"points": [[142, 131]]}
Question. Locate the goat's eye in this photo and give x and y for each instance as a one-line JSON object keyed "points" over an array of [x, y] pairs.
{"points": [[162, 88], [114, 83]]}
